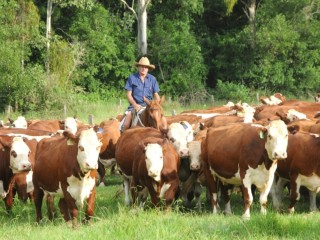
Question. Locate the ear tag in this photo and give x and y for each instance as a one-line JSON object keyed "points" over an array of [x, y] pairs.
{"points": [[261, 134], [70, 142]]}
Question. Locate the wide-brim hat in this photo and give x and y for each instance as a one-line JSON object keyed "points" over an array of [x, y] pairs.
{"points": [[144, 61]]}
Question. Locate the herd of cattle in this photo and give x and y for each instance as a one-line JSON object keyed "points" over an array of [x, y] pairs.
{"points": [[270, 146]]}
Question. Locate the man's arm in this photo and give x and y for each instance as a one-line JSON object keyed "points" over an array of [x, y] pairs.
{"points": [[156, 96], [132, 101]]}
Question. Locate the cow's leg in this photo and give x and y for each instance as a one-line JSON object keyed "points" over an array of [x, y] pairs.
{"points": [[50, 207], [197, 193], [38, 197], [9, 196], [73, 211], [126, 186], [294, 193], [247, 198], [64, 209], [102, 173], [90, 206], [170, 193], [312, 200], [279, 189], [134, 190], [276, 192], [226, 191], [155, 200], [142, 195], [264, 194], [212, 186]]}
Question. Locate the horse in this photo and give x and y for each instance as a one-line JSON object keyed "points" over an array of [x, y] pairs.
{"points": [[150, 116]]}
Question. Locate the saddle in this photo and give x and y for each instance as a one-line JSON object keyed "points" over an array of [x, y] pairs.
{"points": [[136, 117]]}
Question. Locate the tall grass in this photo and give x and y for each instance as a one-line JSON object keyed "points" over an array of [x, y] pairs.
{"points": [[101, 110]]}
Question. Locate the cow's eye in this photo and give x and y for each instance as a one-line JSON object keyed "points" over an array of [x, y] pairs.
{"points": [[172, 140], [13, 154], [81, 148]]}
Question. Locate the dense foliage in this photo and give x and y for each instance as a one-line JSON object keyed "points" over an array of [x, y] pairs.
{"points": [[201, 48]]}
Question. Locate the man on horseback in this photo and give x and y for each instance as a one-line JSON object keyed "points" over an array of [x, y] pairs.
{"points": [[140, 85]]}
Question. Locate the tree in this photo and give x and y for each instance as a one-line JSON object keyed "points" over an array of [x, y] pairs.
{"points": [[50, 9], [141, 18]]}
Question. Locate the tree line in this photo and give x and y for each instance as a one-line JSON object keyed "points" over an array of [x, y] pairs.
{"points": [[53, 51]]}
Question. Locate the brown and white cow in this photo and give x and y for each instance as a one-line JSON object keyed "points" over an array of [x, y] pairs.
{"points": [[14, 155], [155, 166], [301, 168], [52, 125], [126, 144], [67, 167], [275, 99], [20, 122], [176, 134], [244, 155]]}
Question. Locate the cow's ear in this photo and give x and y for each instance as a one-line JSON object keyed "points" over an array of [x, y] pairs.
{"points": [[293, 129], [282, 115], [5, 145]]}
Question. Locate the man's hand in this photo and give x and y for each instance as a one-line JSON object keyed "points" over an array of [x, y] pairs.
{"points": [[137, 107]]}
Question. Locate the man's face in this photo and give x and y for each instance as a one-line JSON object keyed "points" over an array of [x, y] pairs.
{"points": [[143, 70]]}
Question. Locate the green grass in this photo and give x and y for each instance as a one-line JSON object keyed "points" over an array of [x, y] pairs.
{"points": [[113, 220]]}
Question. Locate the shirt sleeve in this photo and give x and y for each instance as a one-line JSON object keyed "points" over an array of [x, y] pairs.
{"points": [[156, 88], [128, 85]]}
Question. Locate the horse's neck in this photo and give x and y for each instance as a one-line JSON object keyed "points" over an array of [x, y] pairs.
{"points": [[146, 119]]}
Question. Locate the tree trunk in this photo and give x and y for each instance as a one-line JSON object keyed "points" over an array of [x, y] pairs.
{"points": [[252, 15], [48, 34], [142, 26]]}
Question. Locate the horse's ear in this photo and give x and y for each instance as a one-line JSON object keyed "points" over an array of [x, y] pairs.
{"points": [[162, 99]]}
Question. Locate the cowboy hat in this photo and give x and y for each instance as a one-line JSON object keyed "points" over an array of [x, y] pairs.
{"points": [[144, 61]]}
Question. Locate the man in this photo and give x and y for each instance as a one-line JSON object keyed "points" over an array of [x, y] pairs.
{"points": [[139, 85]]}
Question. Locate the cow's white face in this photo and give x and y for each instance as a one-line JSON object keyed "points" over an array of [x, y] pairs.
{"points": [[154, 160], [88, 150], [19, 155], [20, 123], [275, 100], [71, 125], [195, 155], [292, 115], [247, 113], [189, 130], [177, 135], [277, 140]]}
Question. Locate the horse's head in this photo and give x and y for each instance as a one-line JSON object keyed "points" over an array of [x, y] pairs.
{"points": [[154, 113]]}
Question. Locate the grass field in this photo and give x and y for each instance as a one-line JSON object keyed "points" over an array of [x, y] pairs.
{"points": [[113, 220]]}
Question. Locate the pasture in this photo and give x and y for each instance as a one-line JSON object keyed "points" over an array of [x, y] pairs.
{"points": [[113, 220]]}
